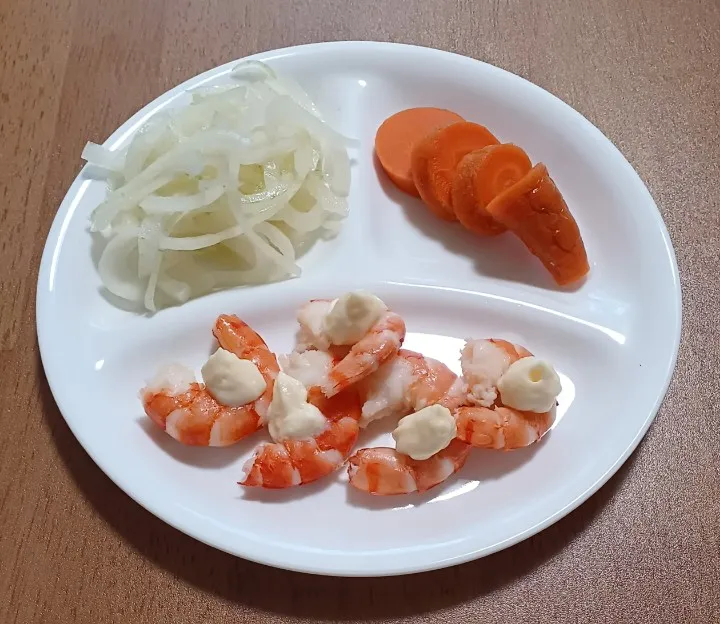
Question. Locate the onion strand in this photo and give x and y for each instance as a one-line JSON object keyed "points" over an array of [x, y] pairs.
{"points": [[224, 192]]}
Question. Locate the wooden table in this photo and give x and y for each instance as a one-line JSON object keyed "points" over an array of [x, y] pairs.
{"points": [[646, 548]]}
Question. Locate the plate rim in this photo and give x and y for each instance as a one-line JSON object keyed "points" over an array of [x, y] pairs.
{"points": [[274, 556]]}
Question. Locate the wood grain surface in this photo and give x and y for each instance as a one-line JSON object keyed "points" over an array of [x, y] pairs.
{"points": [[645, 548]]}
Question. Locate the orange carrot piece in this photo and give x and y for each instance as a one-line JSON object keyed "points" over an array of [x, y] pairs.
{"points": [[435, 158], [534, 209], [480, 177], [397, 136]]}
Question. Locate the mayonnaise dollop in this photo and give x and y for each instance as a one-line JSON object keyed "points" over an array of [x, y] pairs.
{"points": [[290, 416], [530, 384], [232, 381], [352, 316], [426, 432]]}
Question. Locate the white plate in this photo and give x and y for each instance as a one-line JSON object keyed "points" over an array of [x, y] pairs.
{"points": [[614, 339]]}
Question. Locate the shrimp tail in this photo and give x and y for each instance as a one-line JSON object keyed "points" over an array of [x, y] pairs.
{"points": [[237, 336]]}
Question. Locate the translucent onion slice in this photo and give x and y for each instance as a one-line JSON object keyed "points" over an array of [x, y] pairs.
{"points": [[224, 192], [157, 204]]}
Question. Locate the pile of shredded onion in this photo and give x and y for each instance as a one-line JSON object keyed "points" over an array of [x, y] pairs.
{"points": [[224, 192]]}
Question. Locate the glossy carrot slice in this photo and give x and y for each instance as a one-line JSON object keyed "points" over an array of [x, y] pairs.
{"points": [[535, 210], [397, 136], [435, 158], [480, 177]]}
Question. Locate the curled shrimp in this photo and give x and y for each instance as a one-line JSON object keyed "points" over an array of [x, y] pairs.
{"points": [[297, 462], [501, 427], [187, 411], [407, 383], [483, 363], [382, 341], [238, 337], [487, 423], [385, 471]]}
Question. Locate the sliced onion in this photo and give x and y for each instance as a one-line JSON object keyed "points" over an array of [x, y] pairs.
{"points": [[118, 267], [157, 204], [175, 289], [148, 250], [336, 170], [284, 111], [300, 221], [186, 216], [193, 243], [102, 157]]}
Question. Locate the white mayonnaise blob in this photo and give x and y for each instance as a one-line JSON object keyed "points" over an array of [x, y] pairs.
{"points": [[290, 416], [530, 384], [424, 433], [352, 316], [232, 381]]}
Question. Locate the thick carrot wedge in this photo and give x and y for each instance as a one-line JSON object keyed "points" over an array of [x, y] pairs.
{"points": [[534, 209], [435, 158], [480, 177], [397, 136]]}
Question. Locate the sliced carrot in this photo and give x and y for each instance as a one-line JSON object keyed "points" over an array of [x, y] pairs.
{"points": [[397, 136], [435, 158], [534, 209], [480, 177]]}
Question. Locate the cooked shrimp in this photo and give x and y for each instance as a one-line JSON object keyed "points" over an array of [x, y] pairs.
{"points": [[487, 423], [310, 367], [406, 383], [311, 316], [296, 462], [238, 337], [387, 471], [386, 392], [382, 342], [384, 471], [187, 411], [501, 427], [354, 362], [483, 363], [439, 386]]}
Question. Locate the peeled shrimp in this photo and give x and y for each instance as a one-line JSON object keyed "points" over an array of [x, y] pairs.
{"points": [[487, 423], [483, 363], [501, 427], [311, 316], [407, 383], [384, 471], [382, 342], [355, 363], [296, 462], [187, 411], [238, 337]]}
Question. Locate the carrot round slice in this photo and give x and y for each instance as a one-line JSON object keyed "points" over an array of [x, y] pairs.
{"points": [[480, 177], [535, 210], [397, 136], [435, 158]]}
